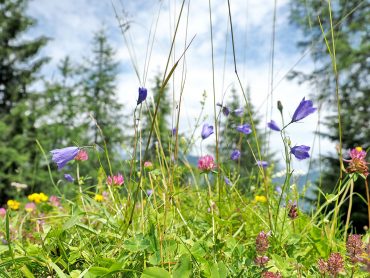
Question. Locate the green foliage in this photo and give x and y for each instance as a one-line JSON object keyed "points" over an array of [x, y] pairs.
{"points": [[350, 20], [19, 67], [99, 94]]}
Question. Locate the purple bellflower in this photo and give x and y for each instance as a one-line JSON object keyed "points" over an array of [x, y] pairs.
{"points": [[227, 181], [143, 92], [224, 109], [239, 112], [62, 156], [273, 125], [235, 155], [304, 109], [69, 178], [300, 152], [246, 129], [262, 163], [207, 131]]}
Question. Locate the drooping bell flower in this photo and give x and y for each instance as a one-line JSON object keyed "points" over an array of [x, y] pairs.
{"points": [[225, 110], [300, 152], [143, 92], [273, 125], [62, 156], [304, 109], [207, 131], [246, 129], [235, 155], [239, 112], [227, 181], [262, 163], [68, 178]]}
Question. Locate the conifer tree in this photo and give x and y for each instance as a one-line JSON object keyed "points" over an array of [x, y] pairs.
{"points": [[100, 96], [19, 67], [231, 139], [162, 132], [352, 44]]}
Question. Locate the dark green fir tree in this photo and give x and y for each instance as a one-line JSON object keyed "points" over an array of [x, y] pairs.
{"points": [[231, 140], [350, 21], [19, 68], [161, 136], [100, 98]]}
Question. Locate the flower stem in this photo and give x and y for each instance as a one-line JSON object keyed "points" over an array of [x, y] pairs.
{"points": [[211, 206], [368, 200], [349, 209]]}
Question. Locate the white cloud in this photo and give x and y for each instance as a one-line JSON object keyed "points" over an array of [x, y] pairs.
{"points": [[71, 23]]}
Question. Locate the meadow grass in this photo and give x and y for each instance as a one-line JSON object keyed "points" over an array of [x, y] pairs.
{"points": [[168, 218]]}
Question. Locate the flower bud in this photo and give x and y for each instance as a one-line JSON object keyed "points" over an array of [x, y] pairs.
{"points": [[280, 106]]}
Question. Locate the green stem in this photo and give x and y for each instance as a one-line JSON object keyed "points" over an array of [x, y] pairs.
{"points": [[349, 209], [211, 206]]}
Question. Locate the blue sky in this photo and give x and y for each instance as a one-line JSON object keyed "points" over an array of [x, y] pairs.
{"points": [[71, 24]]}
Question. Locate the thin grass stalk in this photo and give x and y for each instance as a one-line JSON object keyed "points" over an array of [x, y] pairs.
{"points": [[249, 112], [211, 207], [214, 102], [48, 166], [349, 208], [368, 199], [334, 62]]}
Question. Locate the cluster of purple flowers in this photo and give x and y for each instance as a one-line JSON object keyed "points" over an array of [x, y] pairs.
{"points": [[62, 156], [262, 245], [333, 266]]}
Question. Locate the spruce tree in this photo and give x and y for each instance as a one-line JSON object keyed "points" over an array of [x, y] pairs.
{"points": [[100, 96], [19, 67], [162, 130], [352, 45], [231, 139]]}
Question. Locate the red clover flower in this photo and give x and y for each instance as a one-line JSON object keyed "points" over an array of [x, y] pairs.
{"points": [[206, 163], [357, 163]]}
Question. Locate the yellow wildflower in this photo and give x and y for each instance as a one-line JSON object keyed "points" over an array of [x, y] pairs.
{"points": [[13, 204], [43, 197], [261, 199], [99, 198], [38, 197]]}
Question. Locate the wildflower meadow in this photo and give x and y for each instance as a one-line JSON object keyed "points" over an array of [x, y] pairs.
{"points": [[179, 184]]}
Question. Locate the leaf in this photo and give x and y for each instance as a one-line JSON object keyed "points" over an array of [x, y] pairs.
{"points": [[155, 272], [71, 222], [58, 270], [26, 272], [86, 228], [98, 271], [183, 267], [136, 244], [218, 270]]}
